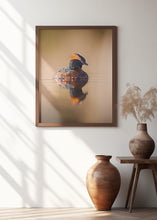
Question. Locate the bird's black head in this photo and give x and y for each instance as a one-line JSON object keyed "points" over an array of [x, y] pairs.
{"points": [[78, 61], [74, 64]]}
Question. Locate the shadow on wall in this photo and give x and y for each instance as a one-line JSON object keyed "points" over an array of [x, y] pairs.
{"points": [[39, 180], [19, 69]]}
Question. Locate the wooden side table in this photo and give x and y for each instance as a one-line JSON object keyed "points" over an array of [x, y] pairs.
{"points": [[138, 165]]}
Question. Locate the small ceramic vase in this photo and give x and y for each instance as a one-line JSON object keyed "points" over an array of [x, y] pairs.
{"points": [[141, 145]]}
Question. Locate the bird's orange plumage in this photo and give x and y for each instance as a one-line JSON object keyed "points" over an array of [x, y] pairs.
{"points": [[75, 57]]}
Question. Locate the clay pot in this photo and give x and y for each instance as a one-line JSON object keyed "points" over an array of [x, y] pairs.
{"points": [[103, 183], [141, 145]]}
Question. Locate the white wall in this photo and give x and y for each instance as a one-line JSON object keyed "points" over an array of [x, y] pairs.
{"points": [[48, 166]]}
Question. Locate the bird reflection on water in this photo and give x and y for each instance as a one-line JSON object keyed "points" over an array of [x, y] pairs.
{"points": [[73, 78]]}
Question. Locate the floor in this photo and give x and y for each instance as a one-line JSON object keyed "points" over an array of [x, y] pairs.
{"points": [[75, 214]]}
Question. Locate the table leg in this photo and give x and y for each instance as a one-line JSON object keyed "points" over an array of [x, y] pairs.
{"points": [[154, 171], [130, 186], [137, 172]]}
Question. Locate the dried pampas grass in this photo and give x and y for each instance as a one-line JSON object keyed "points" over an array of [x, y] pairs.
{"points": [[142, 108]]}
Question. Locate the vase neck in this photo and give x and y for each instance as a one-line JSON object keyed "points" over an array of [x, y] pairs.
{"points": [[142, 127], [103, 157]]}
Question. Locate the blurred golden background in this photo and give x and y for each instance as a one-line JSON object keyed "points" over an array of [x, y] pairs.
{"points": [[55, 48]]}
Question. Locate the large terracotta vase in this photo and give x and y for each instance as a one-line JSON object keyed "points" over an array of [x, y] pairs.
{"points": [[141, 145], [103, 183]]}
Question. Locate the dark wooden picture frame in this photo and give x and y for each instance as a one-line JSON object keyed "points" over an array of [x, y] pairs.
{"points": [[49, 41]]}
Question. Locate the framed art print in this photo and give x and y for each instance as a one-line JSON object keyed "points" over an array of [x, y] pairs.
{"points": [[76, 72]]}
